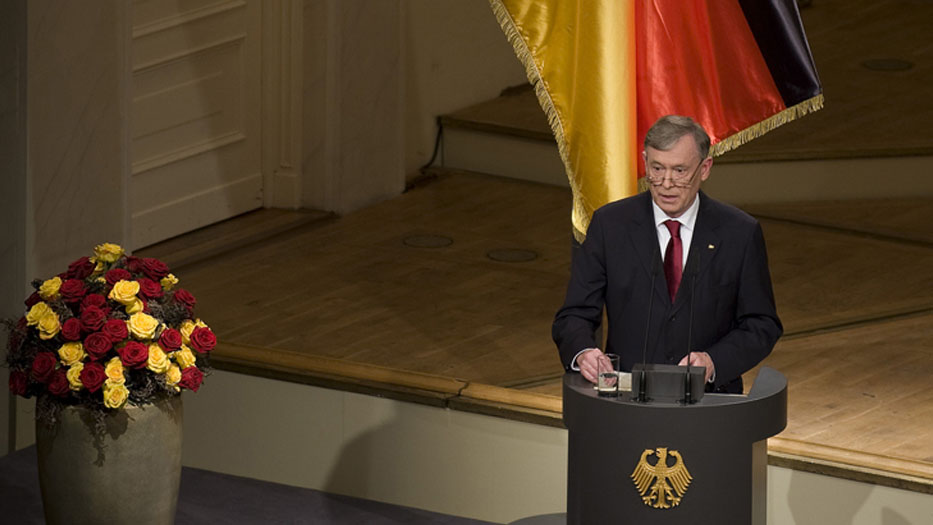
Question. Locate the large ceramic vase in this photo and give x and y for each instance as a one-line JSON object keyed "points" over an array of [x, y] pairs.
{"points": [[130, 475]]}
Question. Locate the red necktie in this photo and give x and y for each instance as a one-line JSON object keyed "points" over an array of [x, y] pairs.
{"points": [[673, 258]]}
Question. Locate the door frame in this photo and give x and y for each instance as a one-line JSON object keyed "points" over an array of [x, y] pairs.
{"points": [[281, 95]]}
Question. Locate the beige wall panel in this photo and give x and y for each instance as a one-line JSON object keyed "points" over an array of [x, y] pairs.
{"points": [[13, 279], [455, 56], [196, 116], [352, 108], [403, 453], [808, 180], [149, 11], [77, 129]]}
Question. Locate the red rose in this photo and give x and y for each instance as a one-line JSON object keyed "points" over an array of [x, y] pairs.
{"points": [[93, 318], [32, 300], [72, 290], [133, 264], [92, 376], [153, 268], [43, 366], [116, 330], [170, 339], [80, 269], [134, 354], [94, 299], [203, 339], [149, 288], [71, 329], [97, 345], [58, 384], [184, 297], [18, 382], [117, 274], [191, 378]]}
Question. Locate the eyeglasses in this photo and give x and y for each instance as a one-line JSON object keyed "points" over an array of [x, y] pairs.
{"points": [[680, 177]]}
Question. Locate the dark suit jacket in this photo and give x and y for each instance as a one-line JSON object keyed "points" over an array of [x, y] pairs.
{"points": [[619, 265]]}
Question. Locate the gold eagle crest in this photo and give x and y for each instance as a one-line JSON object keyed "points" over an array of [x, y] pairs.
{"points": [[661, 486]]}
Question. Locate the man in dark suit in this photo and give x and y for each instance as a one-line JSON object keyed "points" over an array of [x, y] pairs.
{"points": [[673, 242]]}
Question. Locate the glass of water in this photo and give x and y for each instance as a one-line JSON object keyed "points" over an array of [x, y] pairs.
{"points": [[607, 369]]}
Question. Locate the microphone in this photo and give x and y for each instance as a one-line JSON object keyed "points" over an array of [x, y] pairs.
{"points": [[642, 381], [688, 379]]}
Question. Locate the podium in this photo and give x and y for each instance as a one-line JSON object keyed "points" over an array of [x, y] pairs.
{"points": [[714, 466]]}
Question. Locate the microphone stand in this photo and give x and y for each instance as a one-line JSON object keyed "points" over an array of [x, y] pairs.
{"points": [[642, 396], [688, 379]]}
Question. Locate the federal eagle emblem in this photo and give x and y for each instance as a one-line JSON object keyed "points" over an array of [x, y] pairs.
{"points": [[661, 486]]}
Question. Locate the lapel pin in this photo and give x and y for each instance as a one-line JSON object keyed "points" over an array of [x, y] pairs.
{"points": [[711, 247]]}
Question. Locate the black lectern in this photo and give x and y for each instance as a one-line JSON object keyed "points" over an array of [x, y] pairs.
{"points": [[662, 462]]}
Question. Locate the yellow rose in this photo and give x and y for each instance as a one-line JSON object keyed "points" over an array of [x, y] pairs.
{"points": [[115, 395], [200, 324], [124, 292], [108, 252], [187, 326], [114, 371], [169, 281], [158, 361], [49, 289], [184, 357], [143, 326], [37, 312], [49, 325], [137, 306], [71, 353], [74, 376], [173, 376]]}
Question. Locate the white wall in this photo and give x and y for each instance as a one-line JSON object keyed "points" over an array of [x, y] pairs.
{"points": [[802, 498], [63, 85], [831, 179], [352, 104], [76, 131], [376, 74], [455, 56], [12, 183]]}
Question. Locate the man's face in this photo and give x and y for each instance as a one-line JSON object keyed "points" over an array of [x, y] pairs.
{"points": [[681, 160]]}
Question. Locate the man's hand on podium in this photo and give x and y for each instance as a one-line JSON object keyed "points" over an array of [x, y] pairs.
{"points": [[588, 362], [700, 359]]}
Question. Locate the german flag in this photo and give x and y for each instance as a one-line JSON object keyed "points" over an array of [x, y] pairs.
{"points": [[605, 70]]}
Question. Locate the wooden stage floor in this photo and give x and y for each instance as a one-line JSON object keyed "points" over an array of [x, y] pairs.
{"points": [[382, 287]]}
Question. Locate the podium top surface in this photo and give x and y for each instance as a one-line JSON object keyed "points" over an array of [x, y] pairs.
{"points": [[760, 414]]}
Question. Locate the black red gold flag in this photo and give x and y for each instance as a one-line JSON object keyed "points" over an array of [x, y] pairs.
{"points": [[605, 70]]}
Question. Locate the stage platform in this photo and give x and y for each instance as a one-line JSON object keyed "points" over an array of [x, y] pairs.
{"points": [[445, 296]]}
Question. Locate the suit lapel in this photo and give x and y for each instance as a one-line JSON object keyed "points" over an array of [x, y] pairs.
{"points": [[644, 238]]}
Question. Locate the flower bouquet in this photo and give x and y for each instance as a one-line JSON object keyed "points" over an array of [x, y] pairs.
{"points": [[112, 329]]}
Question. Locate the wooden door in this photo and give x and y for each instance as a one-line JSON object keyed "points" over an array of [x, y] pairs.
{"points": [[195, 109]]}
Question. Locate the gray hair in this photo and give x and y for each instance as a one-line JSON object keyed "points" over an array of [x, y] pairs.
{"points": [[670, 128]]}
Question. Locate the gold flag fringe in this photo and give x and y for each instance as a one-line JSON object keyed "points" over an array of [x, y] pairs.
{"points": [[752, 132], [510, 28]]}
